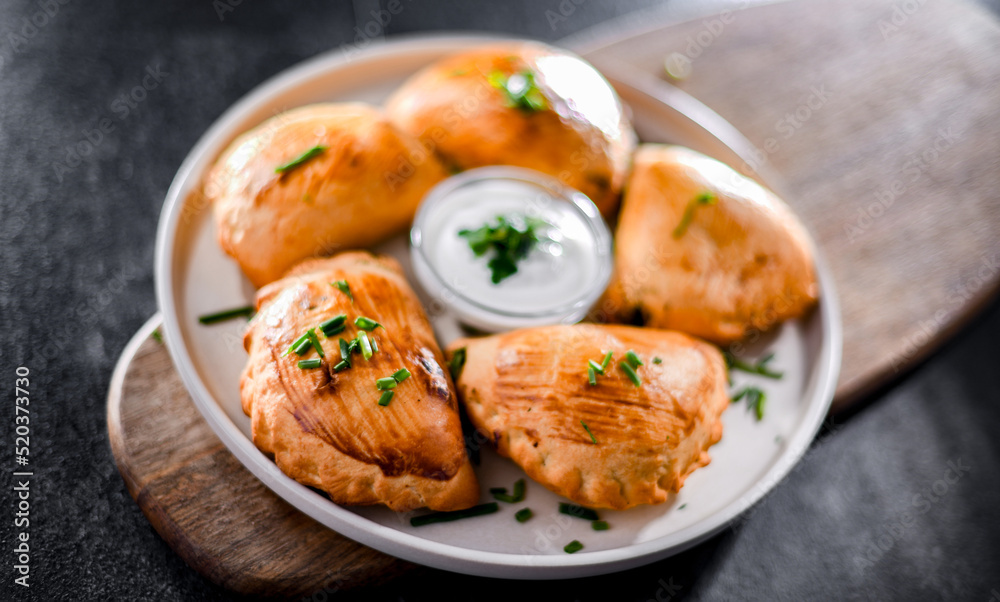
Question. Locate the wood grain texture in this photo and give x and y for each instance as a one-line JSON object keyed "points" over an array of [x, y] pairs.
{"points": [[882, 123], [918, 264], [211, 510]]}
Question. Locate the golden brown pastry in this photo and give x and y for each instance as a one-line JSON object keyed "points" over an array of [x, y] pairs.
{"points": [[701, 249], [325, 428], [529, 392], [361, 184], [523, 104]]}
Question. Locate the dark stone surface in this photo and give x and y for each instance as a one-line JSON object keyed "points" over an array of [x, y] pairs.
{"points": [[76, 250]]}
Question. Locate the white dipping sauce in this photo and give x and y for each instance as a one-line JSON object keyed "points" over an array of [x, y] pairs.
{"points": [[562, 275]]}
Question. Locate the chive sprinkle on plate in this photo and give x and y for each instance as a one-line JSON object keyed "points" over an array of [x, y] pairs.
{"points": [[444, 517], [578, 511], [632, 359], [500, 493], [573, 547], [523, 515], [401, 375], [311, 363], [227, 314], [600, 525], [606, 361], [386, 383], [297, 161], [587, 428], [705, 198]]}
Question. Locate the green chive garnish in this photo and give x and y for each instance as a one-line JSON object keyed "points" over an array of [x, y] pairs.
{"points": [[374, 345], [630, 371], [600, 525], [573, 547], [385, 398], [632, 359], [341, 366], [760, 367], [595, 366], [578, 511], [591, 375], [683, 506], [309, 154], [366, 323], [157, 336], [520, 90], [293, 347], [228, 314], [586, 428], [311, 333], [312, 363], [385, 383], [366, 346], [606, 361], [444, 517], [401, 375], [755, 400], [334, 325], [507, 240], [523, 515], [500, 493], [456, 363], [657, 360], [344, 288], [705, 198], [345, 352]]}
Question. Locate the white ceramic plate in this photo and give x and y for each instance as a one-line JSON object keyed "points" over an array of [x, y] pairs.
{"points": [[194, 277]]}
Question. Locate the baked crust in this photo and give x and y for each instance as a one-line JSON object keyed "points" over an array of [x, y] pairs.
{"points": [[583, 138], [528, 392], [324, 428], [743, 264], [365, 187]]}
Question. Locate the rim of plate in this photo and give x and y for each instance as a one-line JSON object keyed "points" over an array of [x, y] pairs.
{"points": [[820, 385]]}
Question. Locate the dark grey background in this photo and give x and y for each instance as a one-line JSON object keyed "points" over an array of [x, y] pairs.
{"points": [[76, 253]]}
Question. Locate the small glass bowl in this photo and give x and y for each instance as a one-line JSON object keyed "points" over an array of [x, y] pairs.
{"points": [[453, 276]]}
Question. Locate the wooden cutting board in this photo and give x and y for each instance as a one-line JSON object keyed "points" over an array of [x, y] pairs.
{"points": [[881, 122]]}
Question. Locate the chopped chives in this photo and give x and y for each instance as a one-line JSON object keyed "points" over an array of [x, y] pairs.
{"points": [[334, 325], [401, 375], [683, 506], [315, 342], [586, 428], [631, 373], [578, 511], [732, 362], [591, 375], [227, 314], [573, 547], [500, 493], [344, 288], [296, 343], [444, 517], [755, 400], [456, 363], [385, 398], [600, 525], [303, 347], [632, 359], [657, 360], [523, 515], [157, 336], [297, 161], [374, 345], [606, 361], [366, 323], [341, 366], [705, 198], [313, 363], [345, 352], [595, 366], [366, 346], [385, 383]]}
